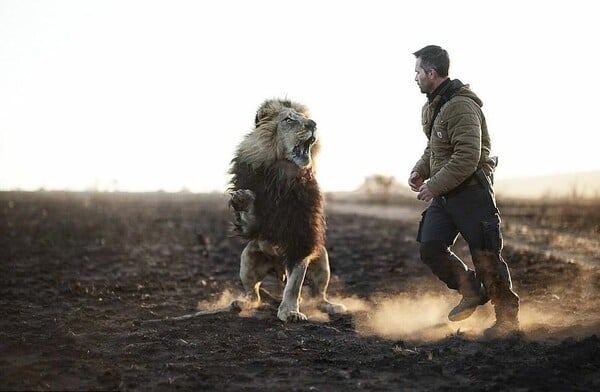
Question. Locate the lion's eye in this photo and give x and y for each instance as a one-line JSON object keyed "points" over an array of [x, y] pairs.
{"points": [[289, 120]]}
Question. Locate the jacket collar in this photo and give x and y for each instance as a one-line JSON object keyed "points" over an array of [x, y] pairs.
{"points": [[447, 89], [437, 91]]}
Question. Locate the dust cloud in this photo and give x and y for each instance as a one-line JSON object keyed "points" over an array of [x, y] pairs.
{"points": [[416, 317], [221, 302], [423, 317]]}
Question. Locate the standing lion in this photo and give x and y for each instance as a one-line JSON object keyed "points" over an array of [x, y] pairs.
{"points": [[278, 208]]}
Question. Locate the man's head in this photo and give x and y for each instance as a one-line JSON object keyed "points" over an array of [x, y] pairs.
{"points": [[431, 67]]}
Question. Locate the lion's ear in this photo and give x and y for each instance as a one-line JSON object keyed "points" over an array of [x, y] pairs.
{"points": [[264, 112], [261, 114]]}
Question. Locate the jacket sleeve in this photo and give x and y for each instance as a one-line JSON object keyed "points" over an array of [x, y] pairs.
{"points": [[464, 130], [422, 166]]}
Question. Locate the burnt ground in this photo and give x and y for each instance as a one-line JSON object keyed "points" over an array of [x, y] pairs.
{"points": [[80, 274]]}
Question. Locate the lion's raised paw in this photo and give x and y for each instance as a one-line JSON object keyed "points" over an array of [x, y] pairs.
{"points": [[242, 199]]}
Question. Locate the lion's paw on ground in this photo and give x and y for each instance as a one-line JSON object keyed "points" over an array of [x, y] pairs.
{"points": [[291, 316]]}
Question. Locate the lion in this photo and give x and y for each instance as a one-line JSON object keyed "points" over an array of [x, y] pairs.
{"points": [[278, 209]]}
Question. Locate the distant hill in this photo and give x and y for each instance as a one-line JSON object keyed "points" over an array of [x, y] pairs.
{"points": [[572, 185], [558, 186]]}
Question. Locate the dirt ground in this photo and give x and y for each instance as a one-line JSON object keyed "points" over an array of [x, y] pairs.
{"points": [[81, 275]]}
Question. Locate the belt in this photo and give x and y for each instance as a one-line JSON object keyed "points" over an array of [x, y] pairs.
{"points": [[472, 180]]}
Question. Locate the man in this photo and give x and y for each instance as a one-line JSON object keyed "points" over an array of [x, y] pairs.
{"points": [[458, 169]]}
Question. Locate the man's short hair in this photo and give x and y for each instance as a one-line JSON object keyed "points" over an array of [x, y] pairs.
{"points": [[434, 57]]}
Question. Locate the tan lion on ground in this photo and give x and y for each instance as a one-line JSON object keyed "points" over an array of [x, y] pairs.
{"points": [[278, 207]]}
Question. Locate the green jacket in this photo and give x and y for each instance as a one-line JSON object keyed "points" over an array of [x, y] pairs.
{"points": [[459, 142]]}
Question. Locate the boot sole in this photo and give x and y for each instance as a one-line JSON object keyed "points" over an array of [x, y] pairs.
{"points": [[502, 335], [465, 314]]}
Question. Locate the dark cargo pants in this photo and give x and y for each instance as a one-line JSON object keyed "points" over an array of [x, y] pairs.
{"points": [[471, 212]]}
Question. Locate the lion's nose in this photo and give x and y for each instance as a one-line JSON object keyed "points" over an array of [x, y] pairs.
{"points": [[310, 124]]}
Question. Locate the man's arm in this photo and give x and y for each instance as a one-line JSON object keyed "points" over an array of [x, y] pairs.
{"points": [[421, 171], [422, 165]]}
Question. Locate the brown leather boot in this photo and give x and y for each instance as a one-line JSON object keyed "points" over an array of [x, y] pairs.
{"points": [[468, 304], [506, 325], [494, 273]]}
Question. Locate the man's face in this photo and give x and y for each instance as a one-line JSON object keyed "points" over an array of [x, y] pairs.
{"points": [[423, 78]]}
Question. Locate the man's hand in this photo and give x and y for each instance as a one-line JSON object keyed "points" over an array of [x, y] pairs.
{"points": [[415, 181], [424, 193]]}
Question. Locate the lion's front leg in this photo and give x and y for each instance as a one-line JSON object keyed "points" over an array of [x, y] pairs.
{"points": [[318, 275], [254, 266], [289, 309], [242, 201]]}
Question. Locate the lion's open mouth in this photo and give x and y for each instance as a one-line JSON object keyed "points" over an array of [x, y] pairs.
{"points": [[301, 152]]}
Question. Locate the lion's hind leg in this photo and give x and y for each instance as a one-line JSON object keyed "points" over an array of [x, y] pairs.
{"points": [[318, 276], [254, 266]]}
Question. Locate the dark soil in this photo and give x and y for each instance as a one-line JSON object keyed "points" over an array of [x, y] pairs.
{"points": [[80, 274]]}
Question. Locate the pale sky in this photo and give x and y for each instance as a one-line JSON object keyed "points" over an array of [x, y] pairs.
{"points": [[148, 95]]}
